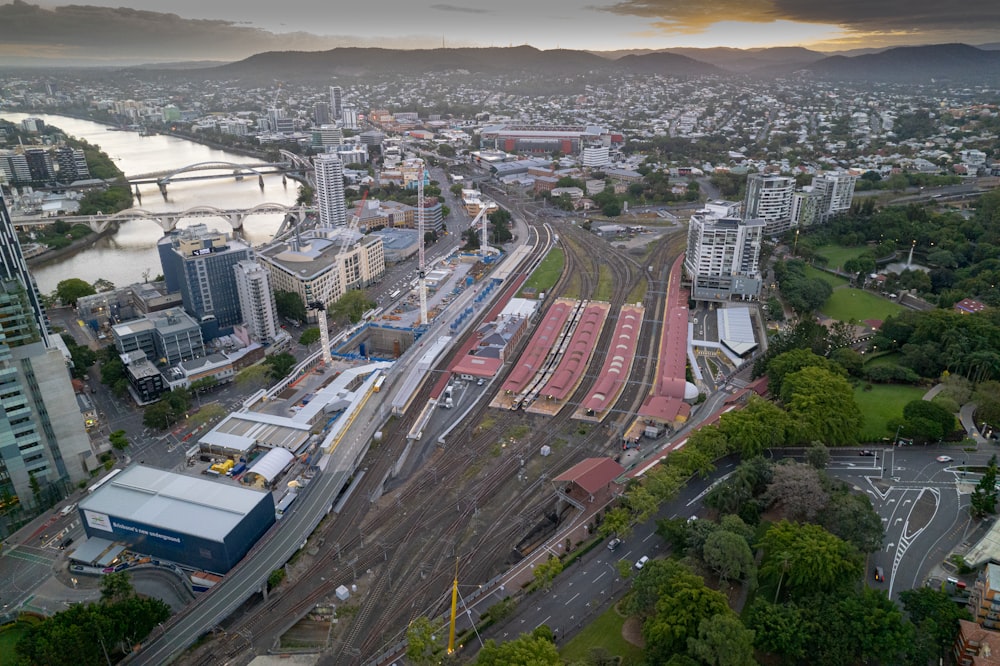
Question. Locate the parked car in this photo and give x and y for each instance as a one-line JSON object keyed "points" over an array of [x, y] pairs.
{"points": [[642, 562], [614, 543]]}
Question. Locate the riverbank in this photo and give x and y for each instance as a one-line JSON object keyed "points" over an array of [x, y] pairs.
{"points": [[52, 256]]}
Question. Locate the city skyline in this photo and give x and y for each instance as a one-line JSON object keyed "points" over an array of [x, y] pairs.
{"points": [[139, 32]]}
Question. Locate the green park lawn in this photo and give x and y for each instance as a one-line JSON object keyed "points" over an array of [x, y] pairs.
{"points": [[837, 255], [605, 632], [831, 279], [881, 403], [8, 639], [547, 273], [847, 304]]}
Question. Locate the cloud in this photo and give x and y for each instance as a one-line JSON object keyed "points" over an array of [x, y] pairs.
{"points": [[444, 7], [859, 16]]}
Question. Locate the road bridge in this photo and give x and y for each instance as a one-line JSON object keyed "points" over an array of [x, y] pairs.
{"points": [[168, 220], [231, 169]]}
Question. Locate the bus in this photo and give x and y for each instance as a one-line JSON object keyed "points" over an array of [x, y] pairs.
{"points": [[394, 295], [378, 383], [113, 474]]}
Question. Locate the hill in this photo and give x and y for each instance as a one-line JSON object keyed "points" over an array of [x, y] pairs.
{"points": [[912, 64]]}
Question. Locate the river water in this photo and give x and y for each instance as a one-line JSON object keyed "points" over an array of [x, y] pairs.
{"points": [[125, 256]]}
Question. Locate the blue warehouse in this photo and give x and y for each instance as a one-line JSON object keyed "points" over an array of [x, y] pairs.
{"points": [[198, 523]]}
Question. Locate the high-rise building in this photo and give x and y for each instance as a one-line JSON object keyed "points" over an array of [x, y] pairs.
{"points": [[72, 164], [260, 314], [198, 262], [321, 113], [769, 198], [596, 156], [14, 167], [314, 267], [40, 164], [723, 256], [330, 190], [837, 191], [42, 434], [806, 208], [336, 101], [349, 118], [330, 135]]}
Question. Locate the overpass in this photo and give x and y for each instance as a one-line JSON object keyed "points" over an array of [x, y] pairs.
{"points": [[168, 220]]}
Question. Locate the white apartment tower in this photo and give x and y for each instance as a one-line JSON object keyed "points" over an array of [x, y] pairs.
{"points": [[769, 198], [253, 285], [330, 190], [336, 101], [837, 191], [596, 156], [349, 119], [723, 257]]}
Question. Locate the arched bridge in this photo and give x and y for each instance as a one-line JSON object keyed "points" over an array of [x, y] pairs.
{"points": [[232, 169], [168, 220]]}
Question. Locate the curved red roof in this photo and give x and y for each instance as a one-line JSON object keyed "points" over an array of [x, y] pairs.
{"points": [[577, 354], [530, 362], [619, 359], [666, 402]]}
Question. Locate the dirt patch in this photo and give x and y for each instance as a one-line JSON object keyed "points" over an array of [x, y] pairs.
{"points": [[306, 634], [632, 631]]}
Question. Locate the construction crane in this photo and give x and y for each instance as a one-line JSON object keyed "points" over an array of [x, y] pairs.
{"points": [[352, 226], [481, 215], [319, 308]]}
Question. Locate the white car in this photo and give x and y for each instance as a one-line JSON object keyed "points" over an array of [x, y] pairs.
{"points": [[944, 458], [642, 562]]}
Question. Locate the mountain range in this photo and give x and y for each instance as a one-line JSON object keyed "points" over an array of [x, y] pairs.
{"points": [[958, 62]]}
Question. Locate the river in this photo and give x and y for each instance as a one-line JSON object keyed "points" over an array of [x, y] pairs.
{"points": [[125, 256]]}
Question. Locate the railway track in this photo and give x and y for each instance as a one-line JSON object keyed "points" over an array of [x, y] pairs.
{"points": [[411, 538]]}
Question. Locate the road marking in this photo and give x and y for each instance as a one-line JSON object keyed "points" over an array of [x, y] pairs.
{"points": [[599, 577], [543, 621], [571, 599], [651, 535]]}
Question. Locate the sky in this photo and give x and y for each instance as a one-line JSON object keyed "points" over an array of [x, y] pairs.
{"points": [[139, 30]]}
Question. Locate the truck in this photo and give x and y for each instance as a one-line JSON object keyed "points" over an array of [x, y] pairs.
{"points": [[652, 430], [448, 403]]}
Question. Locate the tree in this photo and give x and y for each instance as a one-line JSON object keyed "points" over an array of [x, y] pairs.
{"points": [[779, 629], [101, 285], [804, 559], [280, 364], [425, 641], [159, 415], [289, 305], [934, 615], [119, 440], [818, 455], [722, 640], [797, 490], [70, 289], [547, 571], [727, 554], [534, 649], [352, 306], [984, 497], [306, 194], [821, 406], [116, 586], [202, 385], [927, 420], [255, 375], [679, 614], [757, 427], [309, 336], [852, 517], [792, 361]]}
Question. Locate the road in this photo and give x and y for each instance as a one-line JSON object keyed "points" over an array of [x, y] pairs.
{"points": [[923, 505]]}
